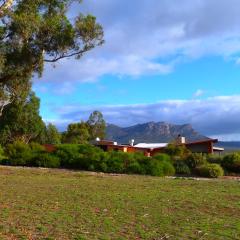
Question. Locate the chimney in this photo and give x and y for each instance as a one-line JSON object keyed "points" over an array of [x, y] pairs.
{"points": [[181, 140], [131, 142]]}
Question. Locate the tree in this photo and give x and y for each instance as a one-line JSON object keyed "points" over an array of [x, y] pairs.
{"points": [[52, 135], [77, 133], [97, 125], [33, 32], [21, 121]]}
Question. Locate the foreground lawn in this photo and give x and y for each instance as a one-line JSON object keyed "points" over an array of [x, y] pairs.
{"points": [[58, 204]]}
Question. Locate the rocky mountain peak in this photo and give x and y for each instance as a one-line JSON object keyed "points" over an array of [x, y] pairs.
{"points": [[152, 132]]}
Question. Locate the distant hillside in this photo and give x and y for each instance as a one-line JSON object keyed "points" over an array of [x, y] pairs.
{"points": [[229, 146], [152, 132]]}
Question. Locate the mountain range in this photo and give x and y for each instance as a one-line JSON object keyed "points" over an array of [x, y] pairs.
{"points": [[152, 132]]}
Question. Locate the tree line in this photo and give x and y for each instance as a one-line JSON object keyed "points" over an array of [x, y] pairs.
{"points": [[174, 160], [33, 33], [22, 122]]}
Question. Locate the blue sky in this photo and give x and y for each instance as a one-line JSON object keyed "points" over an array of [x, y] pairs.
{"points": [[162, 61]]}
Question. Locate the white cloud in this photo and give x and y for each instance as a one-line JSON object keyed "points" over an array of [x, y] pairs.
{"points": [[198, 93], [139, 32], [91, 69]]}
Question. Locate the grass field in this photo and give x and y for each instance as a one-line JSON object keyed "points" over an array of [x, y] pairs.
{"points": [[58, 204]]}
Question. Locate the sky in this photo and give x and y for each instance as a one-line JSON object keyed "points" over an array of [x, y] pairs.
{"points": [[163, 60]]}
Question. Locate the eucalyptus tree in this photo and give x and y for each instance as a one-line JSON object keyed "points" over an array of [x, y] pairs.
{"points": [[97, 125], [35, 32], [21, 121]]}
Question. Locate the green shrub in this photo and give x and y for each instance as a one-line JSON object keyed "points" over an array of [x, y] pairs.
{"points": [[91, 158], [212, 158], [2, 155], [160, 168], [177, 150], [195, 159], [81, 156], [162, 157], [181, 168], [231, 162], [68, 154], [168, 169], [19, 154], [46, 160], [36, 148], [116, 162], [134, 167], [211, 170], [144, 162], [103, 167]]}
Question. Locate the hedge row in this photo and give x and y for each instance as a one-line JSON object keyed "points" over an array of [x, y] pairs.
{"points": [[88, 157]]}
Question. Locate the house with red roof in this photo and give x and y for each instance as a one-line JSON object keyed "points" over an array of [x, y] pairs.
{"points": [[150, 149]]}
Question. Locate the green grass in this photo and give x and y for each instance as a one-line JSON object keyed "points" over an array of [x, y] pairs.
{"points": [[58, 204]]}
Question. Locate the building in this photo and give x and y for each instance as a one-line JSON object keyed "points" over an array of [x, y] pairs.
{"points": [[151, 149]]}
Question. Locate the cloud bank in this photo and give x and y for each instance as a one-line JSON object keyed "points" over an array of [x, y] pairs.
{"points": [[150, 37], [218, 116]]}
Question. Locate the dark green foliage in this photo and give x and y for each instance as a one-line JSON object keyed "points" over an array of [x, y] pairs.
{"points": [[211, 170], [35, 32], [21, 121], [160, 168], [36, 148], [97, 125], [2, 154], [181, 168], [231, 162], [144, 162], [19, 154], [168, 169], [77, 133], [135, 167], [135, 163], [195, 159], [160, 165], [81, 156], [91, 158], [214, 159], [68, 154], [88, 157], [52, 135], [177, 150], [162, 157], [117, 162], [46, 160]]}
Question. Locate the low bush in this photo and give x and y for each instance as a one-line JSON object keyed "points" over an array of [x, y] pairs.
{"points": [[91, 158], [2, 155], [19, 154], [36, 148], [46, 160], [214, 159], [181, 168], [68, 155], [134, 167], [144, 162], [136, 163], [174, 150], [82, 156], [162, 157], [195, 159], [211, 170], [231, 162], [160, 168], [116, 162]]}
